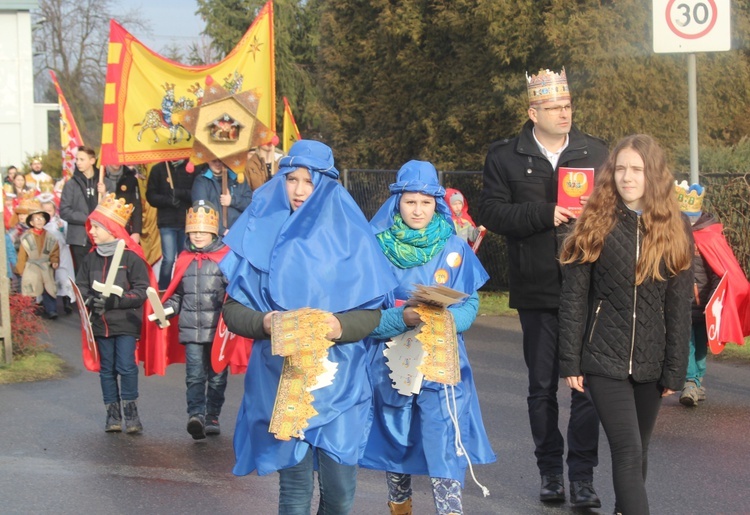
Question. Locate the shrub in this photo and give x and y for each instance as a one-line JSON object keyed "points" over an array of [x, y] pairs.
{"points": [[25, 326]]}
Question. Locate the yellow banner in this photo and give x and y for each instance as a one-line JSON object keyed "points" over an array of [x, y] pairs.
{"points": [[144, 90], [291, 132]]}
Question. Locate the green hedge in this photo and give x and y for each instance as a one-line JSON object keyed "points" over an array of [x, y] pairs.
{"points": [[727, 196]]}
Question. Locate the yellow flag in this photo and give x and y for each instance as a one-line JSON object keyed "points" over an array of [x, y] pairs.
{"points": [[144, 90], [291, 133]]}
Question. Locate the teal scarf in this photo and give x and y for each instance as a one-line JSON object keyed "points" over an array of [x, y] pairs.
{"points": [[406, 247]]}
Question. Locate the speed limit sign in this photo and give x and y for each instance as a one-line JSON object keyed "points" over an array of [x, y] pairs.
{"points": [[691, 26]]}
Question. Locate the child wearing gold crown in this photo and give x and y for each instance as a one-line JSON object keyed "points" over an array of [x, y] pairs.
{"points": [[196, 294], [116, 320], [713, 258]]}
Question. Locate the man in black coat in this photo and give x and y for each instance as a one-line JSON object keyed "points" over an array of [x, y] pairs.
{"points": [[519, 201], [168, 190]]}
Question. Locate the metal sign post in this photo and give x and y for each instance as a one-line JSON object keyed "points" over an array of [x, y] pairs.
{"points": [[690, 26]]}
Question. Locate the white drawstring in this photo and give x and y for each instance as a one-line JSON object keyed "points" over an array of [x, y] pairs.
{"points": [[460, 450]]}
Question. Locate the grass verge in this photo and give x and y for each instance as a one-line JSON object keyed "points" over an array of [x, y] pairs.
{"points": [[41, 366], [494, 303], [732, 352]]}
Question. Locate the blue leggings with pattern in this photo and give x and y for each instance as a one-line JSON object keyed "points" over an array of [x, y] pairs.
{"points": [[446, 492]]}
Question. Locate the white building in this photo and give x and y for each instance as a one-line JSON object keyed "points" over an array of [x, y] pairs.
{"points": [[23, 124]]}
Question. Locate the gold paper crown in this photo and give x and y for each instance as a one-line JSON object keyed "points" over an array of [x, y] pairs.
{"points": [[690, 201], [202, 218], [115, 209], [28, 204], [26, 201], [8, 189], [547, 86]]}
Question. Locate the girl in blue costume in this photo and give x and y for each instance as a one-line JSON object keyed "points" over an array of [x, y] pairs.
{"points": [[303, 242], [415, 434]]}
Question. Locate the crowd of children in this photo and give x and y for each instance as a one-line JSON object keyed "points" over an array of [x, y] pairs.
{"points": [[39, 263]]}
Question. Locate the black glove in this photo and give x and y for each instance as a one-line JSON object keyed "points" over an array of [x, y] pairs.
{"points": [[101, 304], [175, 201]]}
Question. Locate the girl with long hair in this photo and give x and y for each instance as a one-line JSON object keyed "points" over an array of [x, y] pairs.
{"points": [[625, 305]]}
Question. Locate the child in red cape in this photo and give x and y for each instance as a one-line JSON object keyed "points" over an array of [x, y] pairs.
{"points": [[466, 229], [712, 260], [117, 321], [196, 293]]}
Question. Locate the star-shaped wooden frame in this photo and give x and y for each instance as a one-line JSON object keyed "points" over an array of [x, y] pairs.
{"points": [[242, 107]]}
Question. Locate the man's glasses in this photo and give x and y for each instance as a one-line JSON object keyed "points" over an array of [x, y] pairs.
{"points": [[557, 110]]}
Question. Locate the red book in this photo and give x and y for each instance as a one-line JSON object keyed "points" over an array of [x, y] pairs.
{"points": [[572, 184]]}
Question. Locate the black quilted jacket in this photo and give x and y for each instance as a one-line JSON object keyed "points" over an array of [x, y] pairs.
{"points": [[611, 327]]}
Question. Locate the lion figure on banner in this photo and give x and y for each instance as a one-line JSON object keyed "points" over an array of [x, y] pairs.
{"points": [[155, 119]]}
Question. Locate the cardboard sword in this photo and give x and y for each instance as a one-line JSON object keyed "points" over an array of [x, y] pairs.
{"points": [[109, 287], [159, 313]]}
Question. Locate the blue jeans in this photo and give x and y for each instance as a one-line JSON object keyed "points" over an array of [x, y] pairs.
{"points": [[49, 302], [172, 243], [117, 357], [337, 484], [698, 350], [205, 388]]}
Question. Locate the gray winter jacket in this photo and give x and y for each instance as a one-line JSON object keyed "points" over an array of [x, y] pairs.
{"points": [[79, 198], [199, 297]]}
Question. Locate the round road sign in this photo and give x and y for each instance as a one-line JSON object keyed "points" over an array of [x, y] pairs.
{"points": [[691, 25]]}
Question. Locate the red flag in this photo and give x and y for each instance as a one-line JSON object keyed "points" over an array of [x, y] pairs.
{"points": [[89, 347], [230, 349], [714, 309], [70, 137]]}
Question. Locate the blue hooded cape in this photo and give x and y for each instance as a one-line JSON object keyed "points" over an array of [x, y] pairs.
{"points": [[324, 256], [414, 434]]}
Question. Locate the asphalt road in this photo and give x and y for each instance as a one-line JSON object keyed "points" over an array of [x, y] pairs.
{"points": [[56, 458]]}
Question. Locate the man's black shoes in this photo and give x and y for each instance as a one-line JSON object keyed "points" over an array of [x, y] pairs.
{"points": [[583, 495], [552, 489]]}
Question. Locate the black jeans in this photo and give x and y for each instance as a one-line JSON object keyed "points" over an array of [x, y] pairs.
{"points": [[540, 352], [628, 413]]}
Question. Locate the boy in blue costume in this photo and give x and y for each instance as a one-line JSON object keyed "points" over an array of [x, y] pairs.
{"points": [[415, 434], [303, 242]]}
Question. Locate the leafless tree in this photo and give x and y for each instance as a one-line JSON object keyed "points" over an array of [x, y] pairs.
{"points": [[71, 38]]}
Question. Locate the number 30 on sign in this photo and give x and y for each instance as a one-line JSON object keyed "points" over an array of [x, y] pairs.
{"points": [[691, 26]]}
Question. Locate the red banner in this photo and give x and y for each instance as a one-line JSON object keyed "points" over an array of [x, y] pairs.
{"points": [[713, 316], [88, 343], [70, 137], [230, 349]]}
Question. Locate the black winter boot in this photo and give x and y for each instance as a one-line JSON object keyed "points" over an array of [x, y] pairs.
{"points": [[66, 305], [114, 419], [132, 420]]}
